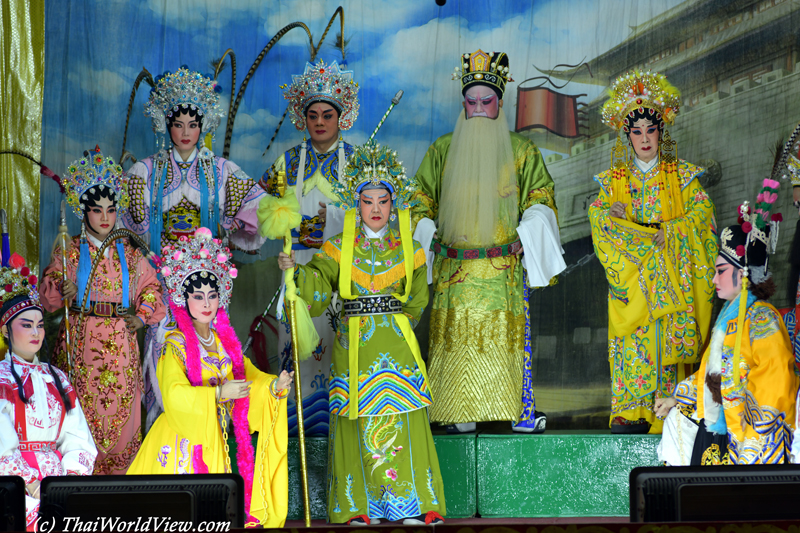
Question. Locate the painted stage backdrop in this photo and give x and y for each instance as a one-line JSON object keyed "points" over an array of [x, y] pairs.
{"points": [[736, 64]]}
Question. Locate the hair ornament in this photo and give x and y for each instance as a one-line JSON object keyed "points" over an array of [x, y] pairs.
{"points": [[184, 89], [327, 83], [640, 90], [95, 170], [197, 256]]}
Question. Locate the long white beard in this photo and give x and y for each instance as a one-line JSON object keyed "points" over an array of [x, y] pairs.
{"points": [[479, 184]]}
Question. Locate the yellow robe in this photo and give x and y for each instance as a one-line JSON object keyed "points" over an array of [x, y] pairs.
{"points": [[760, 409], [190, 419], [659, 301]]}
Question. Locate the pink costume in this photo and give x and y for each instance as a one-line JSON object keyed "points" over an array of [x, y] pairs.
{"points": [[107, 375], [40, 439]]}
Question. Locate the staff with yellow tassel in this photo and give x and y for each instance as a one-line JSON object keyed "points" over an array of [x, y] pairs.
{"points": [[280, 214]]}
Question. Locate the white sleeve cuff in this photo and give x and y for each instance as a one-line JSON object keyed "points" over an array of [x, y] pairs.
{"points": [[424, 235], [538, 232], [334, 222]]}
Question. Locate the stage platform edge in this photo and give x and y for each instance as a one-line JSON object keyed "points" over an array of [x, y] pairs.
{"points": [[557, 474]]}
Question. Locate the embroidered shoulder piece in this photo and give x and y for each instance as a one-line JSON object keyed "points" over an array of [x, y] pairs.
{"points": [[329, 166], [764, 321], [604, 180], [688, 172], [239, 184], [177, 340], [138, 207]]}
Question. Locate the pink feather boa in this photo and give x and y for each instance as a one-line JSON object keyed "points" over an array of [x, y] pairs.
{"points": [[245, 453]]}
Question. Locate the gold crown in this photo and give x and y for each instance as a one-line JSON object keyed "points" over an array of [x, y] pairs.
{"points": [[486, 68], [641, 90]]}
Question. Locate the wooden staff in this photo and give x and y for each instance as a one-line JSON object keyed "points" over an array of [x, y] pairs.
{"points": [[62, 231]]}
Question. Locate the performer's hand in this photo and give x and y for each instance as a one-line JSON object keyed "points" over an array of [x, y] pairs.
{"points": [[133, 323], [617, 210], [33, 488], [659, 239], [284, 381], [520, 251], [68, 289], [234, 389], [663, 406], [322, 212], [285, 261]]}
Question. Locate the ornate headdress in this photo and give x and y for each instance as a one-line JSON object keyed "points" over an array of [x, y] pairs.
{"points": [[373, 166], [17, 280], [184, 89], [95, 170], [483, 68], [640, 90], [198, 256], [792, 154], [326, 83]]}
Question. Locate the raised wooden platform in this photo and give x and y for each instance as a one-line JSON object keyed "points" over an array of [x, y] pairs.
{"points": [[557, 474]]}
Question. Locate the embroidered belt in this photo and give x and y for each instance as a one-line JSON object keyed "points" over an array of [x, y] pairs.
{"points": [[36, 446], [102, 309], [476, 253], [372, 305], [654, 225]]}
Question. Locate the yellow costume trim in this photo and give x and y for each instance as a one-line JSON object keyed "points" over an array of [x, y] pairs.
{"points": [[380, 281], [347, 273], [737, 347], [670, 191]]}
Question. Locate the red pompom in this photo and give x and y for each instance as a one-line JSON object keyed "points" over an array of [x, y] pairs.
{"points": [[777, 217], [16, 261], [32, 280], [740, 250], [24, 271], [747, 228], [740, 220], [8, 288]]}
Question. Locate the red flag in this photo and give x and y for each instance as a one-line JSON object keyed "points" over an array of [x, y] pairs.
{"points": [[539, 107]]}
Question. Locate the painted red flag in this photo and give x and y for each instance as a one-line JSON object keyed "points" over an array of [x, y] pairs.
{"points": [[540, 107]]}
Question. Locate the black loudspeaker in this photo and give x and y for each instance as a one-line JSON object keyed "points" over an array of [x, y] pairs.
{"points": [[729, 493], [12, 503], [148, 502]]}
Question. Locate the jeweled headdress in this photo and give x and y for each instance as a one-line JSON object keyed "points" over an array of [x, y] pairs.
{"points": [[198, 256], [95, 170], [326, 83], [483, 68], [792, 154], [372, 164], [640, 90], [17, 280], [184, 89]]}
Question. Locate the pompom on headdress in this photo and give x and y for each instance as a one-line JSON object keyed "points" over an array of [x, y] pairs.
{"points": [[483, 68], [640, 90], [95, 170], [373, 166], [327, 83], [17, 280], [184, 88], [199, 256]]}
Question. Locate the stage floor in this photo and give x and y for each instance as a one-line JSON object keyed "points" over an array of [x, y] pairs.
{"points": [[575, 475]]}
